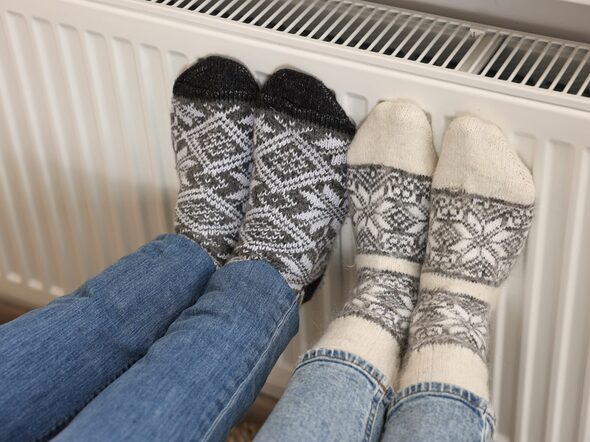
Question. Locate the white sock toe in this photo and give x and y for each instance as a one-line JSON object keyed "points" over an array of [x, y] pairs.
{"points": [[479, 159], [395, 134]]}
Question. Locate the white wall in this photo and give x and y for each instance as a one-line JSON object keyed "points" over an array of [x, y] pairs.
{"points": [[569, 19]]}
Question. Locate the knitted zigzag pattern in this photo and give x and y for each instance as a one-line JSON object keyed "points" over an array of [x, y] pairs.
{"points": [[297, 196], [385, 298], [213, 145]]}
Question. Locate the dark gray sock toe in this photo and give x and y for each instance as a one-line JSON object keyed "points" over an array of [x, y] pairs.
{"points": [[216, 78], [304, 97]]}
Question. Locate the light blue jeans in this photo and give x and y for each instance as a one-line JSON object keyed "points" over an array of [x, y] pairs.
{"points": [[337, 396], [132, 355]]}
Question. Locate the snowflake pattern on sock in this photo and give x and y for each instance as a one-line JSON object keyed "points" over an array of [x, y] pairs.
{"points": [[390, 210], [445, 318], [386, 298], [298, 197], [475, 238], [213, 145]]}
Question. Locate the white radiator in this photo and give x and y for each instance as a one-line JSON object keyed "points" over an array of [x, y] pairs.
{"points": [[87, 171]]}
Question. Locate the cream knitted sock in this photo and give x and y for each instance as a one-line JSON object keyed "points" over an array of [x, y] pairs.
{"points": [[390, 164], [482, 208]]}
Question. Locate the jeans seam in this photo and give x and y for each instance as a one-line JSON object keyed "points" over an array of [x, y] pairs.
{"points": [[238, 390], [484, 429], [490, 424], [377, 398]]}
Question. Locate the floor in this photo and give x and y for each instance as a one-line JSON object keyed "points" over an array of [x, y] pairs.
{"points": [[255, 417], [8, 312], [243, 432]]}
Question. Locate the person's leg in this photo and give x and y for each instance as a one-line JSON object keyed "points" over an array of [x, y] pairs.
{"points": [[54, 360], [340, 390], [198, 380], [482, 209], [333, 395]]}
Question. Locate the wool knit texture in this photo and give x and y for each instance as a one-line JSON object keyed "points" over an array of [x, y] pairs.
{"points": [[297, 199], [482, 209], [212, 135], [390, 204]]}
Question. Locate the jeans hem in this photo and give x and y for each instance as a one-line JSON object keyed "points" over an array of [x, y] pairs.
{"points": [[482, 406], [334, 355]]}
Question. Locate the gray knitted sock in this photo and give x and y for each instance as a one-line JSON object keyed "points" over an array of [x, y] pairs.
{"points": [[212, 134], [298, 192]]}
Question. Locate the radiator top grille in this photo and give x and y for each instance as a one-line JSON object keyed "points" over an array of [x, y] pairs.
{"points": [[554, 65]]}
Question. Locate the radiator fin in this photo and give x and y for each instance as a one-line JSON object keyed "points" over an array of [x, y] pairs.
{"points": [[555, 65]]}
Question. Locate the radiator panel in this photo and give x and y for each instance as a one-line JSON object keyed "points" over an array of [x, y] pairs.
{"points": [[87, 175]]}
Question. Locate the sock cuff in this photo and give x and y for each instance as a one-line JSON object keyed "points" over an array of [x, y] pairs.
{"points": [[385, 299], [216, 78], [304, 97], [447, 364], [365, 339]]}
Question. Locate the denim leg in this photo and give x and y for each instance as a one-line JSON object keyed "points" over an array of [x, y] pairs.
{"points": [[332, 396], [198, 380], [435, 412], [55, 359]]}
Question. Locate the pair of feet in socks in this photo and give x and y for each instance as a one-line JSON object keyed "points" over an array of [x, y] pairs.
{"points": [[262, 172], [435, 240], [263, 177]]}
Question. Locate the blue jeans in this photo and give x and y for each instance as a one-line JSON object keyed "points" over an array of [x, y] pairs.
{"points": [[337, 396], [131, 356]]}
